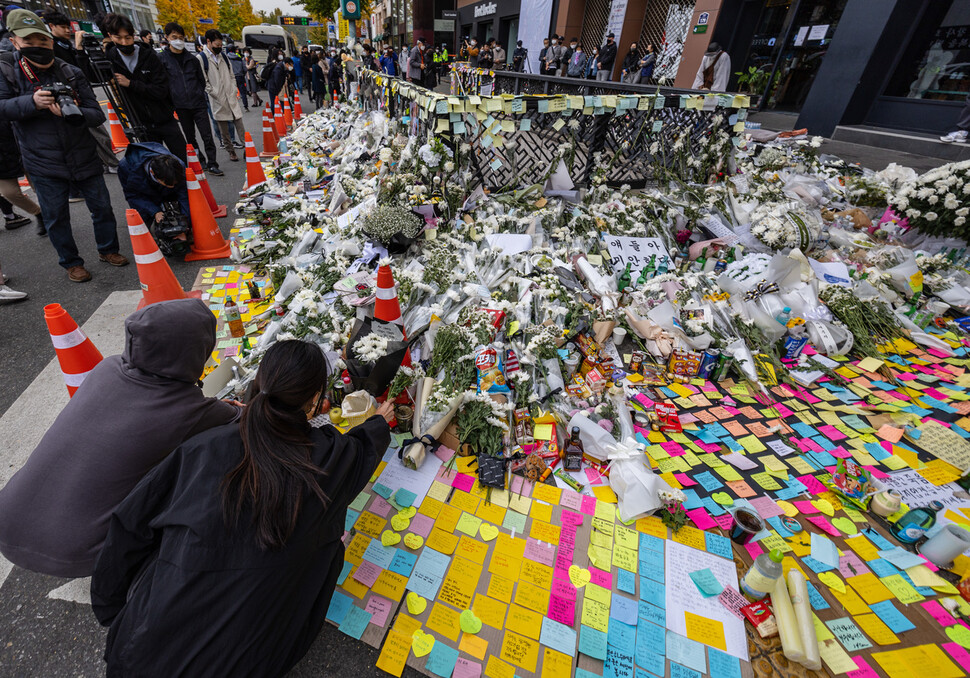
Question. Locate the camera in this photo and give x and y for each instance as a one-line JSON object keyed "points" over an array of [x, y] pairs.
{"points": [[167, 231], [64, 95]]}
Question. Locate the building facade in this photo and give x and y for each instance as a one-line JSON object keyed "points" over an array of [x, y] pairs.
{"points": [[141, 12]]}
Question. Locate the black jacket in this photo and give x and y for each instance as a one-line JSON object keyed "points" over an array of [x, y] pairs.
{"points": [[276, 79], [185, 79], [607, 56], [10, 164], [149, 92], [143, 193], [186, 596], [64, 49], [49, 146], [631, 61]]}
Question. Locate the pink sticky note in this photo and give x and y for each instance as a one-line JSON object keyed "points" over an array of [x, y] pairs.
{"points": [[876, 473], [562, 610], [939, 613], [463, 481], [724, 521], [466, 668], [831, 432], [561, 575], [564, 558], [600, 577], [864, 670], [766, 507], [754, 549], [367, 573], [444, 453], [732, 599], [840, 452], [379, 608], [783, 411], [589, 505], [701, 518], [805, 507], [595, 477], [823, 523], [644, 400], [937, 352], [379, 507], [571, 518], [850, 564], [733, 411], [811, 445], [421, 525], [543, 553], [673, 449], [708, 447], [445, 475], [520, 486], [961, 656], [571, 500], [684, 480], [812, 484]]}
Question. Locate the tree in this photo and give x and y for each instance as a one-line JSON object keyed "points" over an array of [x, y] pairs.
{"points": [[204, 9], [178, 11], [234, 16], [270, 17], [321, 10]]}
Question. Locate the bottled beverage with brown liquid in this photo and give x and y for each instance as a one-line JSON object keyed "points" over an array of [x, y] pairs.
{"points": [[572, 452], [233, 319]]}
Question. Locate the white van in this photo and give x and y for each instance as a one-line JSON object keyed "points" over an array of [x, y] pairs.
{"points": [[264, 36]]}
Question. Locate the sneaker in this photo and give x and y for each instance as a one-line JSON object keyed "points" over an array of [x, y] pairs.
{"points": [[110, 170], [233, 157], [958, 137], [8, 296], [4, 279], [41, 227], [78, 199], [246, 109], [114, 259], [15, 222], [236, 144], [214, 171], [78, 274]]}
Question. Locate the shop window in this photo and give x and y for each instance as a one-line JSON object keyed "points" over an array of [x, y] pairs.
{"points": [[936, 62]]}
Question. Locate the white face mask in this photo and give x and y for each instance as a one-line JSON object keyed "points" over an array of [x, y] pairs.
{"points": [[555, 42], [177, 44], [572, 45], [474, 43]]}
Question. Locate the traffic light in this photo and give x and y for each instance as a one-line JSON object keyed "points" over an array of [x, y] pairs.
{"points": [[350, 9]]}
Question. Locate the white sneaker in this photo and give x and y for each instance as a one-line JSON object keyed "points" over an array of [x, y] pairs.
{"points": [[8, 295], [958, 137]]}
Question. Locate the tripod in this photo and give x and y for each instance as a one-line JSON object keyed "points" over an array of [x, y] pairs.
{"points": [[102, 75]]}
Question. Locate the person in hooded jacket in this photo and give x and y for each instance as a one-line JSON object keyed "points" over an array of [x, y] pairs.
{"points": [[277, 79], [151, 176], [224, 559], [140, 73], [128, 415]]}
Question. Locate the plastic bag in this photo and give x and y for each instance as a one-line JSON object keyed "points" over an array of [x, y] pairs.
{"points": [[597, 441], [636, 488]]}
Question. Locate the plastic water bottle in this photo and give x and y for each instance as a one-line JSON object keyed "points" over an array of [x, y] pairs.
{"points": [[914, 524], [784, 316], [760, 579]]}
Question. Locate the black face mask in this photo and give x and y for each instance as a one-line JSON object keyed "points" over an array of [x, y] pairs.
{"points": [[127, 49], [216, 50], [39, 55]]}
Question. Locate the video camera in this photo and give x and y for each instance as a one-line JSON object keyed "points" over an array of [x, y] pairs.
{"points": [[172, 225], [64, 95]]}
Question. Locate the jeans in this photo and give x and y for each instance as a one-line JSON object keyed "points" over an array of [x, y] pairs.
{"points": [[192, 118], [241, 86], [52, 193], [299, 82], [603, 75], [963, 122], [168, 133]]}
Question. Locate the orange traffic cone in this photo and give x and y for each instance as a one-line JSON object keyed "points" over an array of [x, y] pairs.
{"points": [[297, 108], [218, 211], [269, 137], [119, 141], [387, 307], [158, 283], [272, 122], [287, 115], [208, 242], [75, 352], [254, 169], [278, 121], [335, 97]]}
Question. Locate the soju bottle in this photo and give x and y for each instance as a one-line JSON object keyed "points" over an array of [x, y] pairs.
{"points": [[913, 525], [701, 261], [648, 271], [625, 279], [663, 267]]}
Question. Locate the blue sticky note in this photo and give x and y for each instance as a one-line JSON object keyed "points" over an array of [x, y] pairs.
{"points": [[379, 554], [649, 542], [824, 550], [880, 541], [652, 613], [622, 635], [383, 490], [344, 571], [650, 661], [901, 558], [893, 618], [815, 598], [692, 500], [354, 623], [816, 565], [652, 565], [626, 581], [427, 574], [403, 563], [713, 507], [654, 636], [558, 636], [404, 498], [678, 671], [685, 651], [882, 568], [583, 673], [525, 124], [339, 605], [592, 643], [653, 592], [779, 527], [707, 481], [718, 545], [618, 663], [441, 661], [351, 518], [543, 106], [623, 609], [706, 582], [722, 664]]}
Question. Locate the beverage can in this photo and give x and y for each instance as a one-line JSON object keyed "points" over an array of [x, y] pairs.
{"points": [[708, 363]]}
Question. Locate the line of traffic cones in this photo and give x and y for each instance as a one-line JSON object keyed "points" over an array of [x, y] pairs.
{"points": [[218, 211], [207, 240], [270, 148], [254, 169], [76, 353]]}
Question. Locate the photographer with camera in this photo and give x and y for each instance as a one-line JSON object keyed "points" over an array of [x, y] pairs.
{"points": [[153, 179], [144, 81], [51, 106], [519, 55]]}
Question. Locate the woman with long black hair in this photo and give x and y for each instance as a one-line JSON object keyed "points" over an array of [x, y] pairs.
{"points": [[223, 560]]}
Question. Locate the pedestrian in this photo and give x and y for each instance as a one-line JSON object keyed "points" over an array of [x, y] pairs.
{"points": [[416, 65], [473, 51], [274, 75], [445, 58], [714, 71], [577, 63], [251, 76], [542, 56], [305, 68], [368, 60], [11, 169], [647, 63], [554, 55], [187, 86], [336, 72], [224, 559], [485, 56], [518, 57], [402, 63], [605, 60], [319, 69], [130, 413], [297, 70], [591, 64], [630, 72], [389, 62], [221, 88], [349, 71], [144, 80], [150, 177], [567, 56], [56, 151], [8, 295], [147, 38], [239, 73]]}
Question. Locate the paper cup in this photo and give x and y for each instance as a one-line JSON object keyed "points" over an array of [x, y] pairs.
{"points": [[747, 523], [571, 363], [945, 545], [619, 335]]}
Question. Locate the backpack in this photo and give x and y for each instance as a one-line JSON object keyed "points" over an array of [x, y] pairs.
{"points": [[264, 74]]}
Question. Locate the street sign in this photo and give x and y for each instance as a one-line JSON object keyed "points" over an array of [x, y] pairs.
{"points": [[350, 9], [449, 14], [444, 25], [703, 18], [206, 21], [700, 29]]}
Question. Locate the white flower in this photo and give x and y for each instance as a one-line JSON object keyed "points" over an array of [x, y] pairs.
{"points": [[930, 216], [371, 348]]}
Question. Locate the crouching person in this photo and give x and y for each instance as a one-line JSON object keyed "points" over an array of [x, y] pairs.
{"points": [[154, 183]]}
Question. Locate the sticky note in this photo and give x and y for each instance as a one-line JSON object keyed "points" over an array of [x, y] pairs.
{"points": [[706, 582], [395, 652], [704, 630]]}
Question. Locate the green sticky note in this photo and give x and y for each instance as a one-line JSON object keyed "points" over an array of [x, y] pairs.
{"points": [[525, 124]]}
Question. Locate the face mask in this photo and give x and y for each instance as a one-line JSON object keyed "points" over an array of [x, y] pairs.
{"points": [[421, 48], [474, 43], [279, 58], [127, 49], [177, 44], [572, 45], [555, 42], [216, 50], [39, 55]]}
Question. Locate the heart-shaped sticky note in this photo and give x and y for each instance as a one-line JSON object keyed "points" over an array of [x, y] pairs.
{"points": [[389, 538], [579, 576], [824, 506], [488, 531], [959, 634], [469, 622], [844, 525], [413, 541], [788, 508], [416, 604], [421, 643], [832, 580], [723, 498], [408, 513], [400, 523]]}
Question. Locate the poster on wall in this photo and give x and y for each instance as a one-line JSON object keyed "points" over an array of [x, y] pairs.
{"points": [[614, 24], [532, 32]]}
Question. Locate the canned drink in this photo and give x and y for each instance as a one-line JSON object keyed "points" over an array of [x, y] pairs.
{"points": [[708, 363], [720, 371], [794, 346]]}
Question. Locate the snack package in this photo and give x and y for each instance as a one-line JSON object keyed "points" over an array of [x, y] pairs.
{"points": [[491, 373]]}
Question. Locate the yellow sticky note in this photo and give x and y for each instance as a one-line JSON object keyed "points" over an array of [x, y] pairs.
{"points": [[835, 658], [445, 621], [541, 511], [389, 585], [474, 645], [873, 627], [870, 588], [532, 597], [547, 493], [523, 621], [595, 615], [862, 546], [905, 593], [395, 652], [690, 536], [870, 364], [521, 651], [543, 432], [605, 493], [833, 581], [556, 664], [704, 630], [922, 660]]}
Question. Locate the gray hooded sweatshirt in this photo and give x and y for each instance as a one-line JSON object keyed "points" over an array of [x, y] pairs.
{"points": [[129, 414]]}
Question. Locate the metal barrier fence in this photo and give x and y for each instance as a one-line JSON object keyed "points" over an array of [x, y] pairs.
{"points": [[600, 131]]}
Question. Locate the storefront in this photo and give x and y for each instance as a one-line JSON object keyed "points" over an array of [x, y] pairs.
{"points": [[489, 19]]}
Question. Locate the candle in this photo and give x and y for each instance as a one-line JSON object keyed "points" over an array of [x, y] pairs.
{"points": [[791, 638], [803, 615]]}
